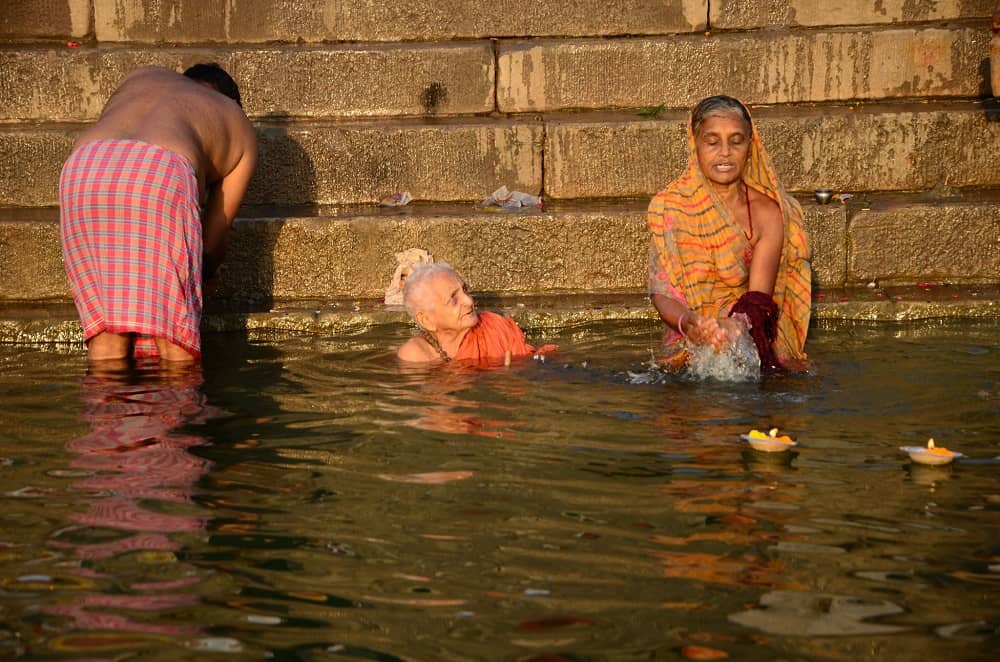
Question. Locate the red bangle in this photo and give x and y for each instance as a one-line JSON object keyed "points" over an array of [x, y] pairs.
{"points": [[680, 324]]}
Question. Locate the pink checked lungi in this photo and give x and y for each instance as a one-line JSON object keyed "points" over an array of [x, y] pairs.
{"points": [[131, 236]]}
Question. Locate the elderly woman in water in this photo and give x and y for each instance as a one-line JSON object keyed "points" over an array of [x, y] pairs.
{"points": [[452, 329], [727, 249]]}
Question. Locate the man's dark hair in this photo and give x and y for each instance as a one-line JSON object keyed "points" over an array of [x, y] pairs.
{"points": [[216, 76]]}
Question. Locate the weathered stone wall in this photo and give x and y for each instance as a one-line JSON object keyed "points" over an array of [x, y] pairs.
{"points": [[582, 101], [767, 67], [995, 56]]}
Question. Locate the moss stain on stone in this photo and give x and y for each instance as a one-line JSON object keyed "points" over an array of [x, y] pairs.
{"points": [[432, 97]]}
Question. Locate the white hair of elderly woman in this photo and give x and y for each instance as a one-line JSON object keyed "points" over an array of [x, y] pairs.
{"points": [[420, 275]]}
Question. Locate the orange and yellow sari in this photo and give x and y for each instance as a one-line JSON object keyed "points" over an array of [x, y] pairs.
{"points": [[699, 256]]}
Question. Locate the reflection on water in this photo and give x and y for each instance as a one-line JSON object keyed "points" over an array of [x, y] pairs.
{"points": [[307, 499], [133, 479]]}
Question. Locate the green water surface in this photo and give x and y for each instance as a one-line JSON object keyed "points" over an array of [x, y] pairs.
{"points": [[305, 498]]}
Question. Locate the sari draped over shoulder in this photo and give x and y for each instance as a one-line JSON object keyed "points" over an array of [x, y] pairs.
{"points": [[492, 337], [699, 256]]}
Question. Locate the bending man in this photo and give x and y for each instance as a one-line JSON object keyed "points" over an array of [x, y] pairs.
{"points": [[146, 201], [726, 242], [438, 300]]}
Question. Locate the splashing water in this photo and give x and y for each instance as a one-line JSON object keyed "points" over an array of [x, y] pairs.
{"points": [[739, 362]]}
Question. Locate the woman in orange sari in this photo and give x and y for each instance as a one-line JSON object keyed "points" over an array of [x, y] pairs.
{"points": [[727, 251]]}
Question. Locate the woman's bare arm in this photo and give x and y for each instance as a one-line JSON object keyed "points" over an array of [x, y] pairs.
{"points": [[767, 251]]}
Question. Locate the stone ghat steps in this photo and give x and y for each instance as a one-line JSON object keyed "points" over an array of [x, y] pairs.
{"points": [[54, 326], [566, 156], [580, 246], [42, 82], [255, 21]]}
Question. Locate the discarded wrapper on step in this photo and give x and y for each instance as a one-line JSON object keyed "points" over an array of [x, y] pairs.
{"points": [[511, 199], [397, 199], [406, 259]]}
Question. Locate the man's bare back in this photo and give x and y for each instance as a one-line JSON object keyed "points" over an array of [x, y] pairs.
{"points": [[189, 117], [162, 107]]}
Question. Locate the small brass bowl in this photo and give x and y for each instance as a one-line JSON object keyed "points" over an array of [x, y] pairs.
{"points": [[823, 195]]}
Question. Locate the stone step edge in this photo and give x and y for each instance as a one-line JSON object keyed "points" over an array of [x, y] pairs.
{"points": [[90, 41], [567, 160], [420, 210], [721, 23], [55, 323], [617, 116], [275, 258]]}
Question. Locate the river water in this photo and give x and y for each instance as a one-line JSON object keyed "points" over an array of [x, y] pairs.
{"points": [[306, 498]]}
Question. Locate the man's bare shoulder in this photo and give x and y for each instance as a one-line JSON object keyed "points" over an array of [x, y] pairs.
{"points": [[149, 75], [150, 70], [165, 84]]}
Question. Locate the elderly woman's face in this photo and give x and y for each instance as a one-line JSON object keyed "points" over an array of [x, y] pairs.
{"points": [[722, 144], [448, 306]]}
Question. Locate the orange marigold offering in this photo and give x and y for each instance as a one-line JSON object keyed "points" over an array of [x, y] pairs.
{"points": [[769, 442], [772, 435]]}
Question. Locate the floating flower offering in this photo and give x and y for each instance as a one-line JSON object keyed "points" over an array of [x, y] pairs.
{"points": [[769, 442], [930, 455]]}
